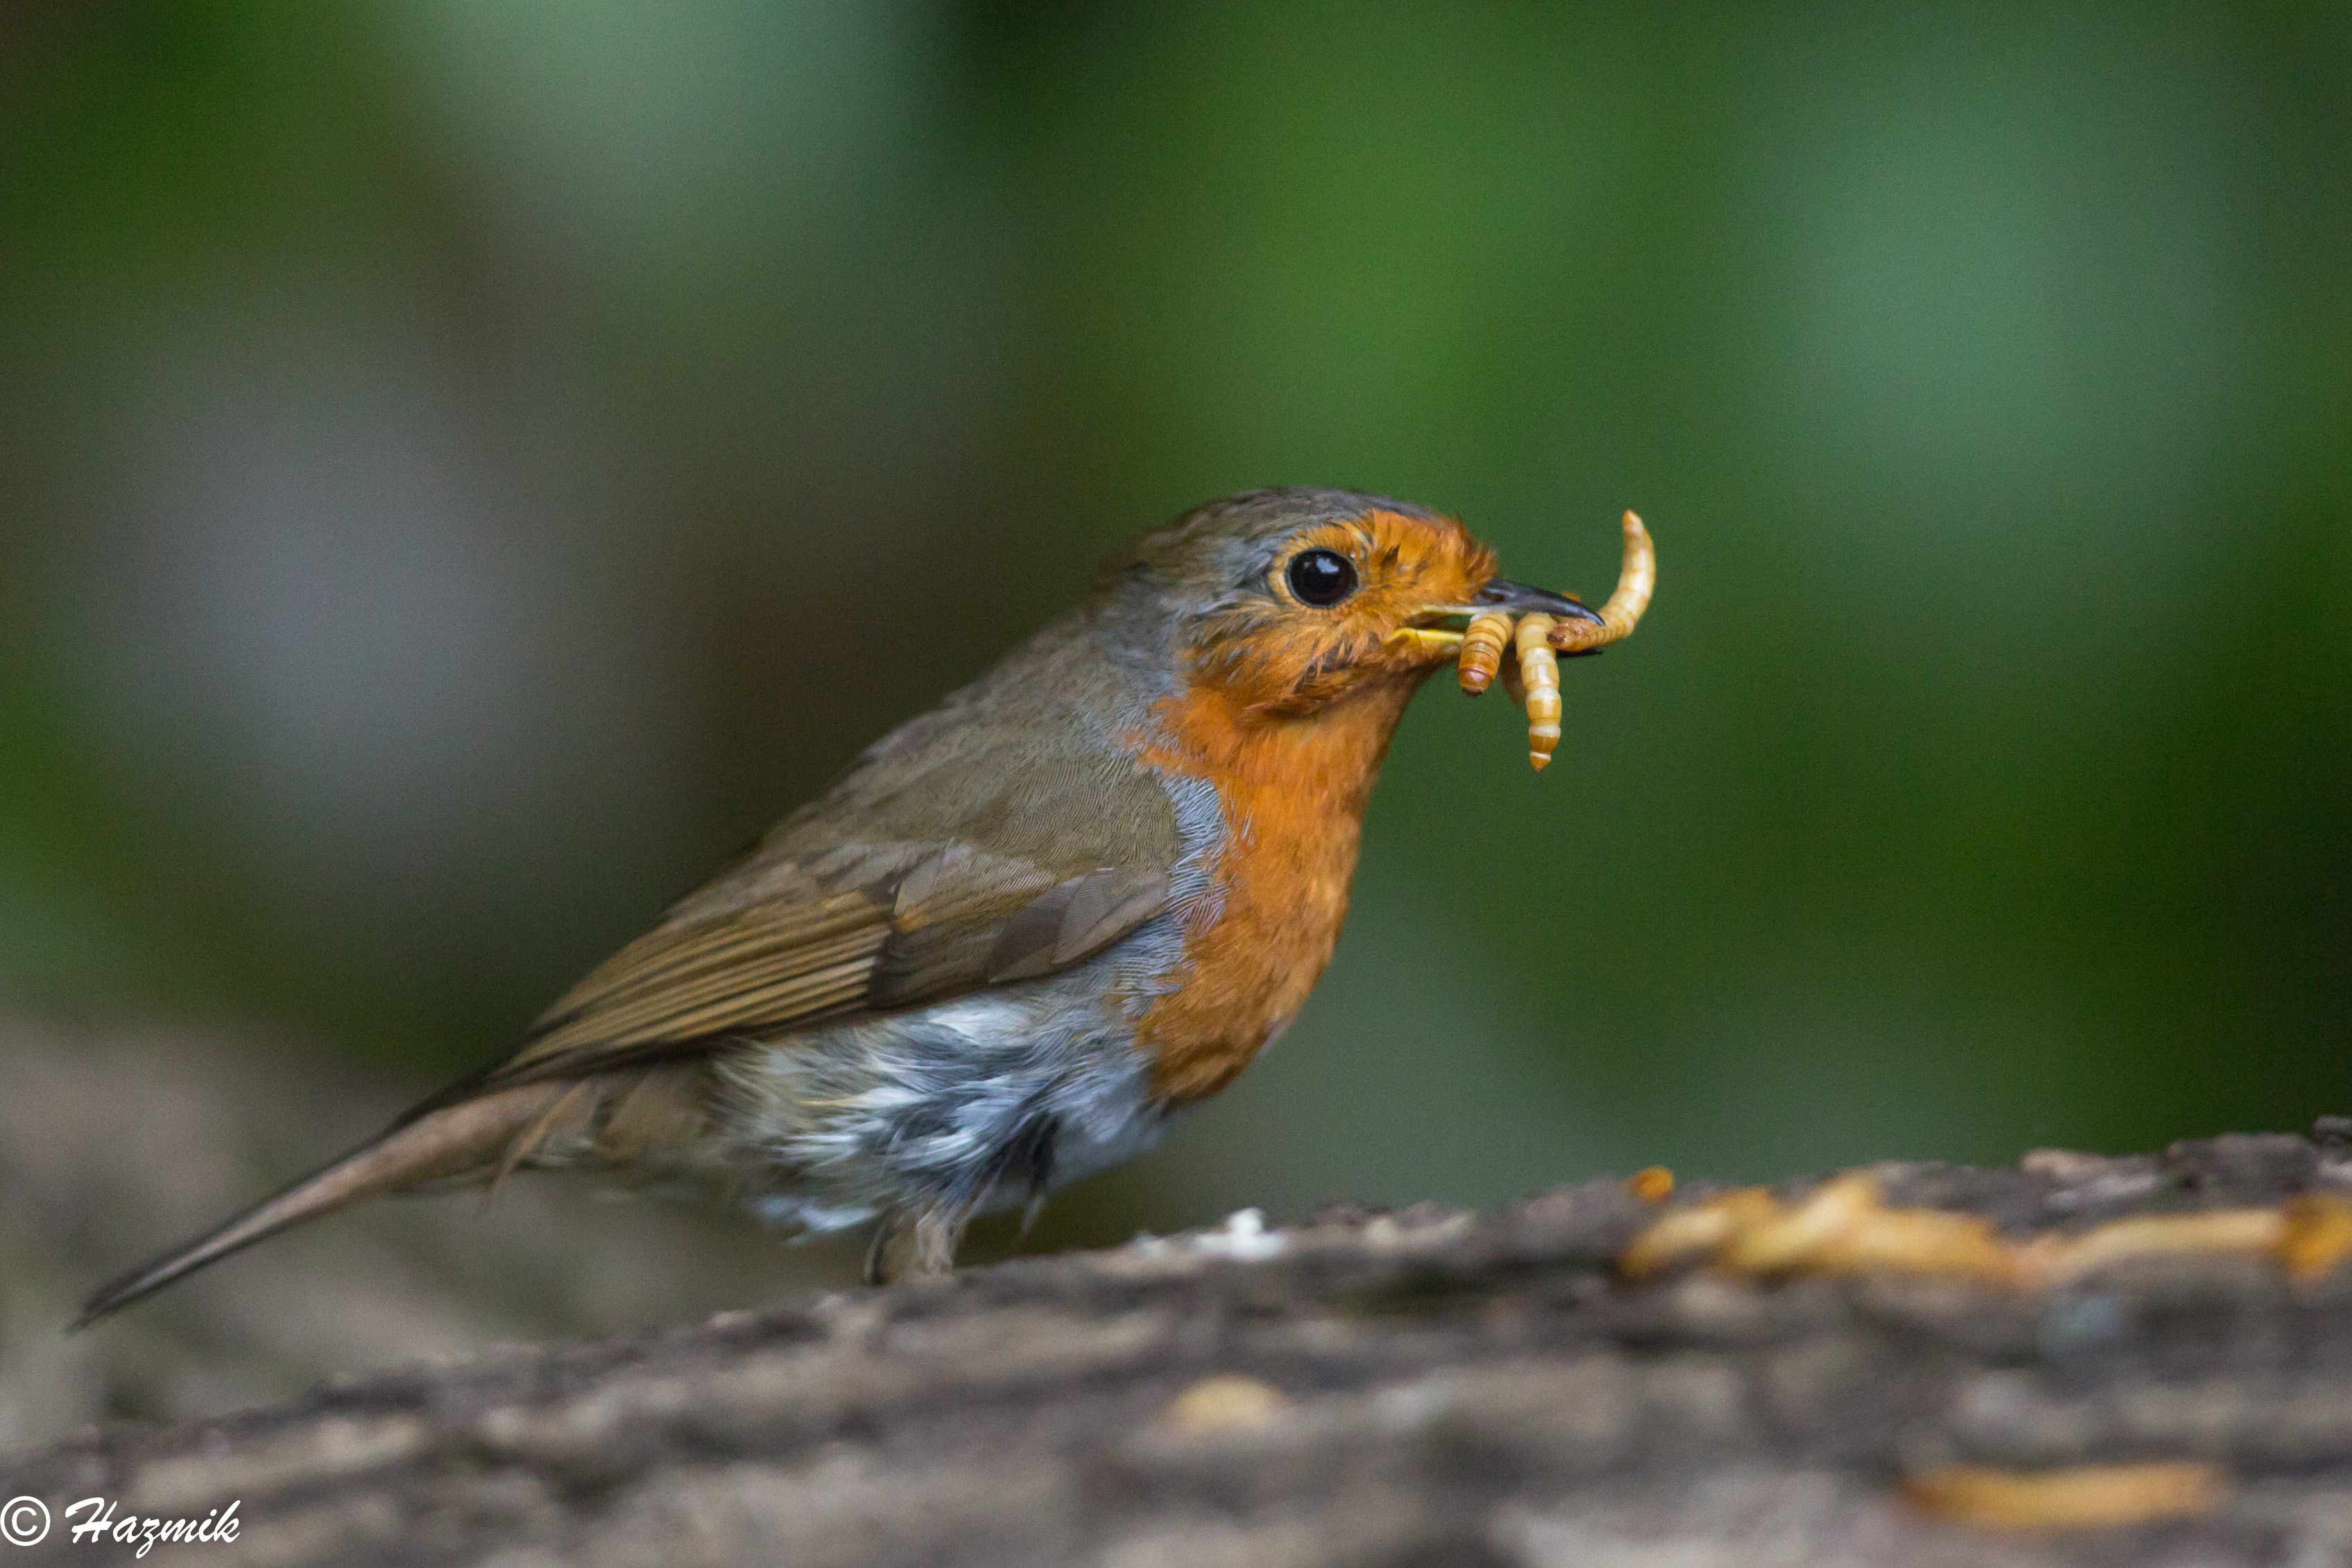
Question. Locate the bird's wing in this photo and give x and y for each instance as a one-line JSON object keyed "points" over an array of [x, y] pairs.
{"points": [[980, 844], [787, 943]]}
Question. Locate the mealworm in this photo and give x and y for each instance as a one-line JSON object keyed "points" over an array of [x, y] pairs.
{"points": [[1533, 678], [1637, 577], [2083, 1497], [1539, 672], [1482, 649]]}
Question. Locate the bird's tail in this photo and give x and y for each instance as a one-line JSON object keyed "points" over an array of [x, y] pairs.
{"points": [[478, 1137]]}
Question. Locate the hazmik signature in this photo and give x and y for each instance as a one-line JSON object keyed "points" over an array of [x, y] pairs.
{"points": [[26, 1523]]}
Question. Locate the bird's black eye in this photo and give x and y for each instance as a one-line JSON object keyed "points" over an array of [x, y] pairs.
{"points": [[1321, 577]]}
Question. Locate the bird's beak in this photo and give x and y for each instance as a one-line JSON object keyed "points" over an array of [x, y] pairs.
{"points": [[1519, 599], [1436, 633]]}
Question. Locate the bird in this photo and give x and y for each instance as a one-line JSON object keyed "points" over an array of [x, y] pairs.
{"points": [[1021, 933]]}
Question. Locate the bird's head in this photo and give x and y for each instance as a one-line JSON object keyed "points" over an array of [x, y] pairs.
{"points": [[1285, 601]]}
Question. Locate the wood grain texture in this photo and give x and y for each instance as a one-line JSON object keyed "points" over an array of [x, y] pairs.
{"points": [[1428, 1386]]}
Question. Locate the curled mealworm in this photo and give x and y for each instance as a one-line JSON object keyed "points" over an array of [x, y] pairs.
{"points": [[1488, 634], [1539, 672], [1637, 576]]}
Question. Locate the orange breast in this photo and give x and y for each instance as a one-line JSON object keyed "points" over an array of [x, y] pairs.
{"points": [[1292, 791]]}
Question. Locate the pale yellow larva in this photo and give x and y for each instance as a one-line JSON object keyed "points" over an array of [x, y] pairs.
{"points": [[1488, 634], [1539, 672], [1637, 578]]}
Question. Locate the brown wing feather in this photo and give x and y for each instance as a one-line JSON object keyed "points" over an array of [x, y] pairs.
{"points": [[896, 890], [732, 971], [749, 969]]}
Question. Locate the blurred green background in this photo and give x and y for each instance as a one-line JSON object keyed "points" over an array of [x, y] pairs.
{"points": [[467, 465]]}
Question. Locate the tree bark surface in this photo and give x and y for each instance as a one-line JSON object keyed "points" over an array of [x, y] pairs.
{"points": [[1428, 1386]]}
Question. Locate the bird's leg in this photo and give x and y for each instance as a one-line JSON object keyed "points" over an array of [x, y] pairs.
{"points": [[917, 1245], [893, 1233], [938, 1231]]}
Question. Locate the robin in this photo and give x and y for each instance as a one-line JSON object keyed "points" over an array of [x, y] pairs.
{"points": [[1018, 936]]}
